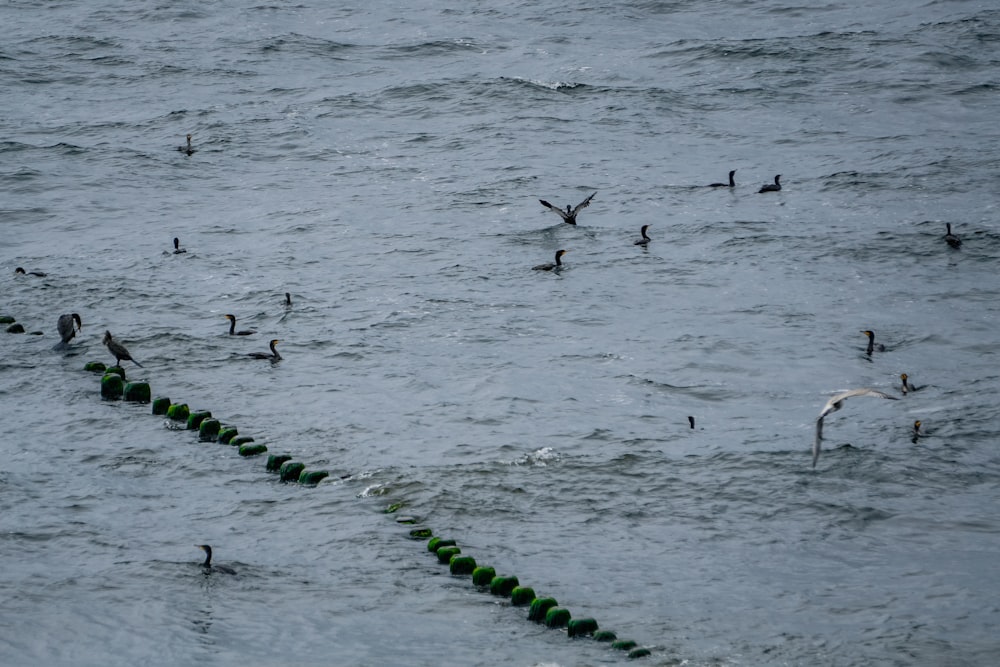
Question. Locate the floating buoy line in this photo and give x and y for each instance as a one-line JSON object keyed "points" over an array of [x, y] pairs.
{"points": [[541, 609]]}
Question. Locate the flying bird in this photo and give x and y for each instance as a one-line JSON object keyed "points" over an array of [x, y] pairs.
{"points": [[569, 215], [834, 404]]}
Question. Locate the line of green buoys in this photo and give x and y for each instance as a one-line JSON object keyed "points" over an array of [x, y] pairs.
{"points": [[540, 609]]}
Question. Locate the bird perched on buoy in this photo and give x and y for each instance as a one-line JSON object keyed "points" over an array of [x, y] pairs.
{"points": [[772, 187], [551, 266], [872, 345], [274, 356], [208, 566], [118, 350], [65, 327], [644, 241], [950, 238], [834, 404], [569, 215], [730, 184], [232, 328]]}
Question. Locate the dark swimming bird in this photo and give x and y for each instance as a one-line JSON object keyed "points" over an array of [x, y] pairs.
{"points": [[30, 273], [232, 327], [834, 404], [730, 184], [118, 350], [550, 266], [916, 432], [569, 215], [177, 247], [772, 187], [952, 240], [645, 239], [691, 421], [288, 300], [274, 356], [872, 347], [189, 149], [907, 387], [225, 569], [65, 326]]}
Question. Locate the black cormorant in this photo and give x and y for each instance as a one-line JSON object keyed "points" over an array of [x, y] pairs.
{"points": [[550, 266], [274, 356], [772, 187], [730, 184], [645, 239], [118, 350], [232, 327], [225, 569], [30, 273], [872, 347], [188, 149], [569, 215], [177, 247], [66, 328], [952, 240]]}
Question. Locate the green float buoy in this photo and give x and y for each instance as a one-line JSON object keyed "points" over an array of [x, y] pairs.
{"points": [[161, 405], [137, 392], [290, 470], [252, 449], [112, 387], [638, 652], [483, 575], [406, 519], [522, 595], [539, 607], [436, 543], [227, 433], [580, 627], [502, 586], [208, 430], [557, 617], [393, 508], [95, 367], [605, 636], [421, 533], [195, 418], [15, 328], [275, 461], [7, 319], [117, 370], [444, 554], [240, 440], [461, 565], [178, 412], [623, 644], [312, 477]]}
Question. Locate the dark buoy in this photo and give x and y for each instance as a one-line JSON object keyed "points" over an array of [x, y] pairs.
{"points": [[161, 405], [95, 367], [539, 607], [112, 386], [240, 440], [137, 392], [436, 543], [290, 471], [208, 430], [15, 328], [312, 477], [195, 419], [444, 554], [623, 644], [227, 434], [253, 449], [557, 617], [421, 533], [522, 595], [605, 636], [581, 627], [461, 565], [275, 461], [503, 585], [178, 412]]}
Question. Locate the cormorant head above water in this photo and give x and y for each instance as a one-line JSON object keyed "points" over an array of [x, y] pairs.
{"points": [[772, 187], [208, 561], [730, 184], [177, 246], [550, 266], [288, 299], [569, 215], [645, 239], [232, 327], [188, 149], [274, 356], [872, 347], [950, 238]]}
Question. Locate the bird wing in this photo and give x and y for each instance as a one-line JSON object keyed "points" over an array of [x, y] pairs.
{"points": [[65, 327], [584, 204], [562, 214], [831, 406]]}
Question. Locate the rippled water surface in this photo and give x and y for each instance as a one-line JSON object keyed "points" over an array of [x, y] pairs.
{"points": [[383, 164]]}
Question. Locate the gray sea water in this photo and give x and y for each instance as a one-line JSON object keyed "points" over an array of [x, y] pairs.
{"points": [[383, 164]]}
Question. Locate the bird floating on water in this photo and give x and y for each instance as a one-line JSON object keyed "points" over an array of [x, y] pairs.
{"points": [[730, 184], [118, 350], [232, 327], [550, 266], [274, 356], [834, 404], [907, 387], [188, 149], [644, 241], [872, 345], [21, 271], [178, 250], [65, 327], [772, 187], [916, 432], [952, 240], [225, 569], [288, 300], [691, 421], [569, 215]]}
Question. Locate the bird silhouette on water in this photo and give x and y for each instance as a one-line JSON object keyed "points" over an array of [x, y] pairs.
{"points": [[569, 215]]}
